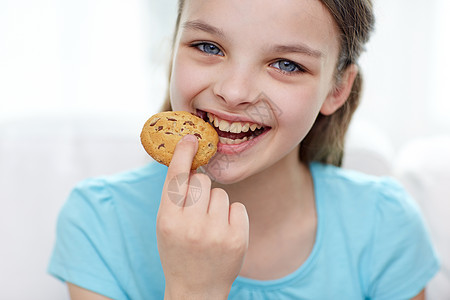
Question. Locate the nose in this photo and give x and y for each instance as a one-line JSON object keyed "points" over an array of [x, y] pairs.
{"points": [[235, 84]]}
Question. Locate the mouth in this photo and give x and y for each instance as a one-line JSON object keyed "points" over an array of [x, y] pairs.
{"points": [[233, 132]]}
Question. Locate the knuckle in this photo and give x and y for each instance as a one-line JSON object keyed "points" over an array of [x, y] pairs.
{"points": [[193, 235], [217, 241], [238, 206], [218, 193], [165, 225], [203, 178], [222, 243], [237, 243]]}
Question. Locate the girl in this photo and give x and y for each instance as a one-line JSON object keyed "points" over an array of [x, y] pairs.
{"points": [[272, 216]]}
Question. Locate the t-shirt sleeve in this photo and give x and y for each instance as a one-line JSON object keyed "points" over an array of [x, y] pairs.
{"points": [[86, 228], [402, 258]]}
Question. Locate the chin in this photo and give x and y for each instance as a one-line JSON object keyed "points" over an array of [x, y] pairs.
{"points": [[225, 173]]}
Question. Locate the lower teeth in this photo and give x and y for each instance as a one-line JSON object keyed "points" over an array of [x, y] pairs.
{"points": [[228, 141]]}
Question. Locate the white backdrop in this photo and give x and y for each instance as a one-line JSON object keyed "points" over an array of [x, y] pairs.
{"points": [[63, 62]]}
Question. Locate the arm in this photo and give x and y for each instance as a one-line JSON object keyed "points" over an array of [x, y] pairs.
{"points": [[420, 296], [78, 293]]}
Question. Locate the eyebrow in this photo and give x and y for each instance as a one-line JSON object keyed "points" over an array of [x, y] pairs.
{"points": [[202, 26], [297, 48]]}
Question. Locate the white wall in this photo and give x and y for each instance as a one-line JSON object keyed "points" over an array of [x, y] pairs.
{"points": [[82, 55], [406, 70]]}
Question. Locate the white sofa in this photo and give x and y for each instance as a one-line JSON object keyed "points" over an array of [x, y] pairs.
{"points": [[42, 157], [423, 166]]}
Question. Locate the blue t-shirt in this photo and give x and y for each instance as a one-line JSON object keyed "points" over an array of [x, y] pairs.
{"points": [[371, 242]]}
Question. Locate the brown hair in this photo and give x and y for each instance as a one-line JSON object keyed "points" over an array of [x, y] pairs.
{"points": [[325, 141]]}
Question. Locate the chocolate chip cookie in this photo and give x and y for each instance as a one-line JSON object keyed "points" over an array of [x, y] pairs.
{"points": [[163, 130]]}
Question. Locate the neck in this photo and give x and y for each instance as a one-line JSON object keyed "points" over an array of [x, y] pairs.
{"points": [[275, 196]]}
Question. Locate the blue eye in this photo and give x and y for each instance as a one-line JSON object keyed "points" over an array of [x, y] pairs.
{"points": [[287, 66], [209, 48]]}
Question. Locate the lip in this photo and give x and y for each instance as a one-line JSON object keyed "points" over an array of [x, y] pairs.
{"points": [[234, 149]]}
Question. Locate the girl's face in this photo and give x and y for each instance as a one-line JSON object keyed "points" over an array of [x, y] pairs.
{"points": [[260, 71]]}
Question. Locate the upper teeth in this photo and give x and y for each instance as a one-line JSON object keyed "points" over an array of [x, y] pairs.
{"points": [[235, 127]]}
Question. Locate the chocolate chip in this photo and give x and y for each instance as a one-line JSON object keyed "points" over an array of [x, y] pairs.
{"points": [[198, 136], [210, 145], [170, 119], [154, 122], [162, 145], [168, 132], [159, 128], [188, 122]]}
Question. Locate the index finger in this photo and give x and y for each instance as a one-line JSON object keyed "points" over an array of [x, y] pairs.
{"points": [[183, 156]]}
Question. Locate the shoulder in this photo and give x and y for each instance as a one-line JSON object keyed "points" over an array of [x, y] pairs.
{"points": [[384, 225], [151, 173], [102, 197], [350, 178], [365, 205], [102, 207], [359, 189], [147, 178], [100, 221]]}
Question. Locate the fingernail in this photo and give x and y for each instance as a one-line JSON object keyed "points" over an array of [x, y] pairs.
{"points": [[190, 138]]}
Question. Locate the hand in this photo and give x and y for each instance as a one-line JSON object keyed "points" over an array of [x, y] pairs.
{"points": [[202, 239]]}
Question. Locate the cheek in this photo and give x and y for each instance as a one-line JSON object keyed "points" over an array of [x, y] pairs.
{"points": [[300, 112], [180, 87], [186, 81], [296, 126]]}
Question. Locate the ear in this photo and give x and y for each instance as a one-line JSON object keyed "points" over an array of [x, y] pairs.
{"points": [[339, 94]]}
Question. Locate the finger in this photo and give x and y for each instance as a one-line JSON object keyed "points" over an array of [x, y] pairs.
{"points": [[219, 205], [178, 174], [239, 220], [183, 155], [198, 195]]}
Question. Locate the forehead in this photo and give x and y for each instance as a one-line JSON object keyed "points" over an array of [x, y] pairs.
{"points": [[265, 21]]}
